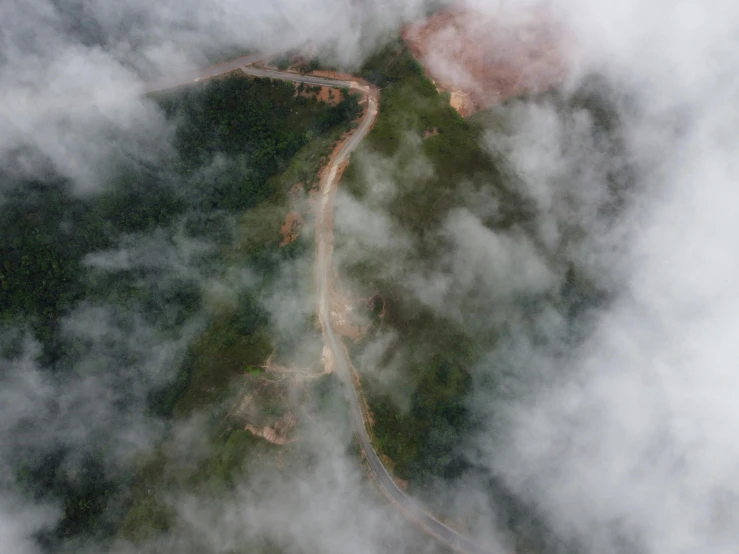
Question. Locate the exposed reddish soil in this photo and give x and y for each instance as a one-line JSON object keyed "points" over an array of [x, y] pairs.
{"points": [[338, 145], [278, 433], [343, 316], [481, 59], [296, 191], [462, 102], [431, 132], [291, 227], [326, 94]]}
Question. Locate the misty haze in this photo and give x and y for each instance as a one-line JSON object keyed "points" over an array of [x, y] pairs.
{"points": [[330, 277]]}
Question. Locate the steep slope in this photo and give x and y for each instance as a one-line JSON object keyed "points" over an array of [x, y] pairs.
{"points": [[481, 58]]}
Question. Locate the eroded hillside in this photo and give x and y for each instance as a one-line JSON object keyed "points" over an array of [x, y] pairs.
{"points": [[483, 58]]}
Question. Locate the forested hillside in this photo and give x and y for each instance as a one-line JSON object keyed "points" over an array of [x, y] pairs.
{"points": [[131, 258], [441, 179], [100, 282]]}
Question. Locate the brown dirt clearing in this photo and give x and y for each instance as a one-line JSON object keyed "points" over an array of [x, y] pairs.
{"points": [[482, 59], [290, 229], [430, 133], [277, 433], [329, 95], [345, 318]]}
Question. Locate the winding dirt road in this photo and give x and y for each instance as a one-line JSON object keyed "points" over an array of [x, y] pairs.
{"points": [[323, 274]]}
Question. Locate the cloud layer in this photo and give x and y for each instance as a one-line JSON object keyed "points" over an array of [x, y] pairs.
{"points": [[623, 440], [71, 73]]}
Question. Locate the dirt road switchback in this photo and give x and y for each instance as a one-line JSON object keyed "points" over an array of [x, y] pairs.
{"points": [[323, 275]]}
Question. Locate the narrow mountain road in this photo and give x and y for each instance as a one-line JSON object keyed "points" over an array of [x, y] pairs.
{"points": [[323, 274], [204, 74], [323, 271]]}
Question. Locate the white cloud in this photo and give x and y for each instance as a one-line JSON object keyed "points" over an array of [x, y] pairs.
{"points": [[628, 439]]}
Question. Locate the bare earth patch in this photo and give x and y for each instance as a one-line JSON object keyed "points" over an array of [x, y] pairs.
{"points": [[482, 60], [291, 227], [296, 374], [278, 433], [263, 405], [462, 102], [327, 359], [329, 95], [296, 191], [431, 133], [343, 316]]}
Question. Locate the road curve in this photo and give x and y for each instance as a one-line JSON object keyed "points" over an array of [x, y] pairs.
{"points": [[324, 250], [204, 74]]}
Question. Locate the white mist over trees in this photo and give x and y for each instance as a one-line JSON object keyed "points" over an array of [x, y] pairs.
{"points": [[622, 437]]}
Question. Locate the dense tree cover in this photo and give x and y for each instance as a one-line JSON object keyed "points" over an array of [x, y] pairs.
{"points": [[230, 137], [86, 497], [45, 232], [422, 441], [243, 132], [256, 137]]}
